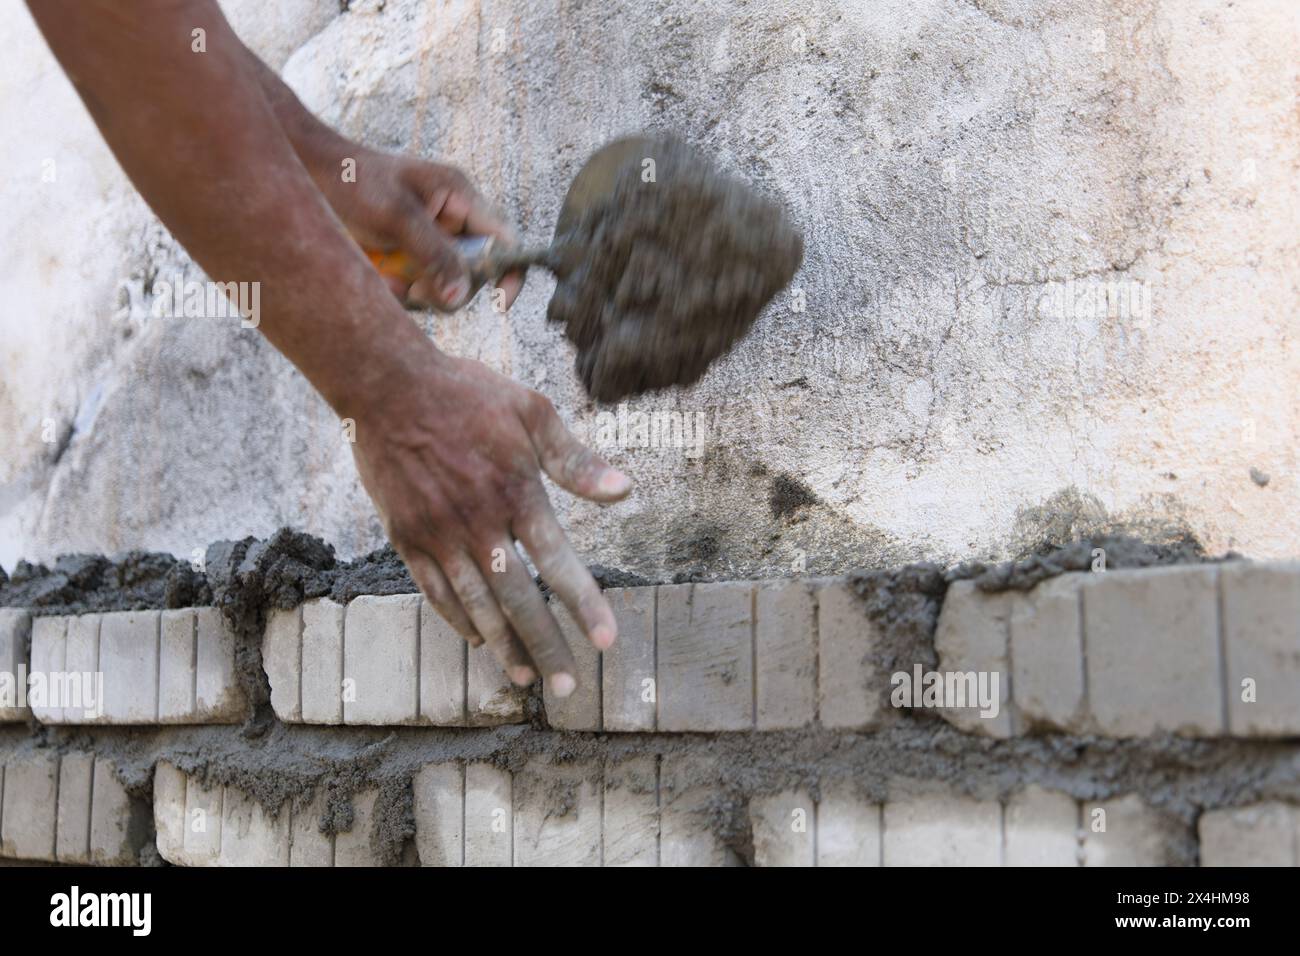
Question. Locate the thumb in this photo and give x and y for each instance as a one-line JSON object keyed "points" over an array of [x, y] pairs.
{"points": [[570, 463], [434, 252]]}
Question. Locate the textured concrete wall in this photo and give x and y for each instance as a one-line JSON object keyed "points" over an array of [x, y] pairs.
{"points": [[949, 161]]}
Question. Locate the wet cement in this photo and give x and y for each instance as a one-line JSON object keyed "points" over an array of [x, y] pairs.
{"points": [[657, 279]]}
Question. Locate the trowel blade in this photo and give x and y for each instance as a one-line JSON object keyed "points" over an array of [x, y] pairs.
{"points": [[595, 180]]}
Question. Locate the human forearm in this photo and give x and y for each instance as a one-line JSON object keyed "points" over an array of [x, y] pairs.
{"points": [[214, 163]]}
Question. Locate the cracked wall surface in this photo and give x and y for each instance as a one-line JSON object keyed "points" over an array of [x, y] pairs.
{"points": [[956, 167]]}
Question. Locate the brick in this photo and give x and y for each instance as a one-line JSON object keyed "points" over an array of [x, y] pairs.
{"points": [[28, 818], [705, 644], [218, 697], [201, 832], [1262, 834], [1047, 655], [1041, 829], [76, 782], [249, 835], [490, 697], [557, 815], [81, 661], [848, 829], [282, 661], [849, 690], [973, 636], [381, 642], [581, 709], [784, 829], [1135, 834], [178, 661], [442, 670], [933, 830], [308, 845], [128, 658], [687, 836], [15, 633], [169, 786], [48, 656], [1152, 650], [118, 827], [785, 642], [630, 823], [489, 816], [628, 684], [1261, 637], [353, 848], [439, 803], [322, 661]]}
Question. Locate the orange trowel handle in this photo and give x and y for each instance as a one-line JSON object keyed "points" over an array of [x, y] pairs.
{"points": [[396, 263]]}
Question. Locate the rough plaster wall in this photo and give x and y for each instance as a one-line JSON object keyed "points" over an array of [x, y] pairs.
{"points": [[946, 159]]}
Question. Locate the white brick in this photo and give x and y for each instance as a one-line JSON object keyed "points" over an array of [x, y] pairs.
{"points": [[687, 836], [81, 660], [581, 709], [381, 642], [972, 636], [117, 823], [282, 661], [849, 689], [932, 830], [15, 631], [557, 815], [322, 661], [848, 829], [442, 670], [76, 781], [169, 811], [786, 649], [1135, 834], [218, 697], [439, 799], [784, 829], [705, 641], [249, 835], [128, 658], [353, 848], [630, 829], [491, 699], [1047, 654], [1262, 834], [1152, 648], [176, 668], [489, 816], [49, 656], [201, 831], [628, 668], [1042, 829], [1261, 633], [308, 846], [28, 813]]}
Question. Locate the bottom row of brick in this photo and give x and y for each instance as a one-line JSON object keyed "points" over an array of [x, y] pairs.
{"points": [[647, 811]]}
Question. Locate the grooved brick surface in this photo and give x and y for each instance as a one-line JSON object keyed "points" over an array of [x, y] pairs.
{"points": [[785, 644], [1041, 828], [1261, 834], [784, 829], [849, 689], [1047, 682], [848, 829], [381, 644], [581, 709], [1135, 834], [15, 632], [1261, 636], [933, 830], [628, 678], [973, 636], [705, 647], [321, 682]]}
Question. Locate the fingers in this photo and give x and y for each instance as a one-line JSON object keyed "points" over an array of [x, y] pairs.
{"points": [[433, 583], [571, 465], [564, 571], [484, 611], [424, 241], [526, 610]]}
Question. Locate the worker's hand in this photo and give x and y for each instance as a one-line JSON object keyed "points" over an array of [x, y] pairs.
{"points": [[451, 454], [396, 202]]}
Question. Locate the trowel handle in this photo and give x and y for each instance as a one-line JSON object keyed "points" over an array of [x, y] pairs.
{"points": [[477, 251]]}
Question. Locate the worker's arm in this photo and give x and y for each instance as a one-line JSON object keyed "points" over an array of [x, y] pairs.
{"points": [[387, 201], [450, 452]]}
